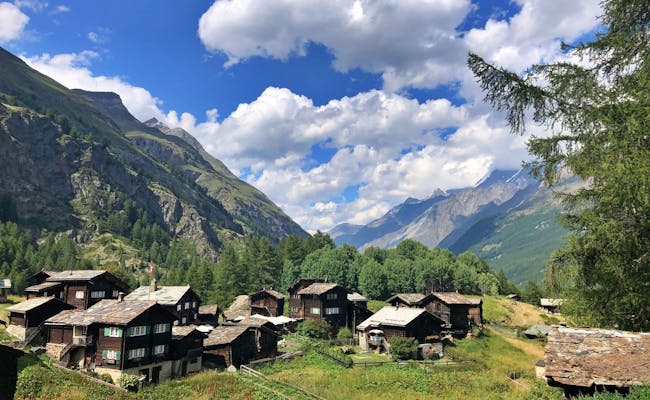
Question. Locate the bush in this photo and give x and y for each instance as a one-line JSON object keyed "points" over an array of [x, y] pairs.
{"points": [[106, 378], [344, 333], [315, 328], [129, 382], [402, 348]]}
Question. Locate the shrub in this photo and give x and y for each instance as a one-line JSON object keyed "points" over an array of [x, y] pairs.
{"points": [[315, 328], [344, 333], [106, 378], [402, 348], [129, 382]]}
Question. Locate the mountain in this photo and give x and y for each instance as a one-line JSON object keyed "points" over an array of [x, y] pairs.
{"points": [[507, 218], [72, 160]]}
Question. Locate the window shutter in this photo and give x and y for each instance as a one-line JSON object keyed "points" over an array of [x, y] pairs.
{"points": [[107, 331], [118, 355], [104, 353], [119, 332], [147, 329]]}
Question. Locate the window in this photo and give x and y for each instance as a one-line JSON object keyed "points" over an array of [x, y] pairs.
{"points": [[331, 296], [110, 356], [113, 331], [137, 353], [159, 349], [138, 330], [194, 304], [161, 328], [183, 320], [175, 322], [116, 293], [314, 310], [79, 294], [331, 310], [196, 315], [187, 305], [97, 294], [294, 309], [178, 307]]}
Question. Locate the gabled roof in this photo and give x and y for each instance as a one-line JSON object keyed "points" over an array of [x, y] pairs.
{"points": [[392, 316], [224, 334], [42, 286], [318, 288], [165, 295], [583, 357], [252, 322], [74, 275], [280, 320], [108, 312], [31, 304], [302, 281], [5, 283], [453, 298], [180, 332], [354, 296], [212, 309], [270, 292], [411, 299]]}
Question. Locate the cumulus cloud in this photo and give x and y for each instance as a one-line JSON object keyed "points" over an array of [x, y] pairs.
{"points": [[12, 22]]}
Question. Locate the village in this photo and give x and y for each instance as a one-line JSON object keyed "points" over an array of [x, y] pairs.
{"points": [[86, 320]]}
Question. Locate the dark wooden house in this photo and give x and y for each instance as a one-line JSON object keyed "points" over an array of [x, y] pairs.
{"points": [[115, 337], [357, 309], [187, 350], [454, 309], [392, 321], [322, 300], [5, 287], [80, 288], [267, 302], [181, 301], [239, 344], [209, 314], [26, 318], [8, 371], [294, 299], [408, 300], [583, 360]]}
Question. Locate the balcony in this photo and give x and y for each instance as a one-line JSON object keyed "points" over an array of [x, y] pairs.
{"points": [[82, 340]]}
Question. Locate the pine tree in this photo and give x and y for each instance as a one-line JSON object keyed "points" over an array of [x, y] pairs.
{"points": [[599, 114]]}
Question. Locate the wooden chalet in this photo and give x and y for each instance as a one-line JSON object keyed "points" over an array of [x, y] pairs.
{"points": [[209, 314], [322, 300], [583, 361], [115, 337], [391, 321], [552, 306], [80, 288], [187, 350], [5, 287], [294, 299], [181, 301], [457, 311], [418, 300], [267, 302], [238, 344], [8, 371], [357, 309], [26, 318]]}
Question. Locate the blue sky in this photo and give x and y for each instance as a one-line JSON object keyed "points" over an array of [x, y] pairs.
{"points": [[337, 110]]}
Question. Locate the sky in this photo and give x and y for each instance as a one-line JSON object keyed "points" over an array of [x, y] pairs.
{"points": [[337, 110]]}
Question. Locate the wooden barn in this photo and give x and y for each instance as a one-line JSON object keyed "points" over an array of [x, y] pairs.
{"points": [[239, 344], [26, 318], [357, 310], [187, 350], [181, 301], [267, 302], [457, 311], [5, 287], [115, 337], [323, 300], [582, 360], [209, 314], [417, 300], [392, 321], [80, 288], [294, 299]]}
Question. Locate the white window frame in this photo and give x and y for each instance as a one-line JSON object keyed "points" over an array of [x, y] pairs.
{"points": [[194, 304], [111, 355], [176, 323], [332, 311], [137, 353], [113, 331], [332, 296], [187, 305], [159, 349], [97, 294], [295, 309], [178, 307], [184, 320], [160, 328], [116, 293], [314, 310], [79, 294], [139, 330]]}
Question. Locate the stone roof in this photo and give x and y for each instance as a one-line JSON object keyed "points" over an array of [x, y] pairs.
{"points": [[179, 332], [74, 275], [392, 316], [105, 312], [409, 298], [551, 302], [453, 298], [318, 288], [583, 357], [273, 293], [240, 307], [212, 309], [31, 304], [224, 334], [5, 283], [537, 330], [301, 281], [280, 320], [356, 297], [42, 286], [165, 295]]}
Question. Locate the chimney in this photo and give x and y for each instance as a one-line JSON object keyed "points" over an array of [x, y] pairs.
{"points": [[153, 286], [120, 297]]}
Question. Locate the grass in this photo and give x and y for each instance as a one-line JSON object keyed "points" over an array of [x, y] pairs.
{"points": [[514, 314]]}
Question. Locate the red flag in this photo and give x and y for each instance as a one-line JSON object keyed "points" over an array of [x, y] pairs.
{"points": [[151, 265]]}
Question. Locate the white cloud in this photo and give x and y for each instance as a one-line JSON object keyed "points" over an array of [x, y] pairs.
{"points": [[60, 9], [12, 22], [101, 35], [33, 5]]}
